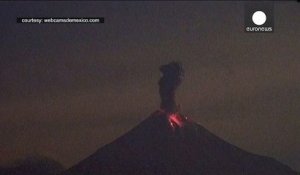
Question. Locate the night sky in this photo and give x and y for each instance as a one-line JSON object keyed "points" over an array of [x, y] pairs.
{"points": [[68, 89]]}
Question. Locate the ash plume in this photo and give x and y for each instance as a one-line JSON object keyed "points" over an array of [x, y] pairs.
{"points": [[172, 77]]}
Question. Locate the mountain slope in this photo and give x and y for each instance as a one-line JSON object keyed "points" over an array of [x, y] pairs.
{"points": [[171, 144], [33, 165]]}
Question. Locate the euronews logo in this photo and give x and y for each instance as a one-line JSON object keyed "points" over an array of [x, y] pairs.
{"points": [[259, 18]]}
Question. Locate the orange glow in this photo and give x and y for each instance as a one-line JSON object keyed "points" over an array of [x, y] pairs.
{"points": [[175, 120]]}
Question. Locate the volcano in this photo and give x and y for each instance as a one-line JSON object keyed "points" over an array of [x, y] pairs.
{"points": [[169, 143]]}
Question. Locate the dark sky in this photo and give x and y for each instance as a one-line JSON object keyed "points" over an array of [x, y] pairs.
{"points": [[68, 89]]}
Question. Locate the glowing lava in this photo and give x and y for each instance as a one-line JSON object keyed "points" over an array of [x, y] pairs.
{"points": [[175, 120]]}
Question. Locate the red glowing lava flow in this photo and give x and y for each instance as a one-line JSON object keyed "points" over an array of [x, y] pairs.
{"points": [[175, 120]]}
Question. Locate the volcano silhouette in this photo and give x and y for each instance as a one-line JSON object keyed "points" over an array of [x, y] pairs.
{"points": [[169, 143]]}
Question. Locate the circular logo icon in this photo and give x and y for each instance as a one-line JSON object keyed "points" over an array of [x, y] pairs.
{"points": [[259, 18]]}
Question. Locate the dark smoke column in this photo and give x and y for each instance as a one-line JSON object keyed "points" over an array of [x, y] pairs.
{"points": [[173, 74]]}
